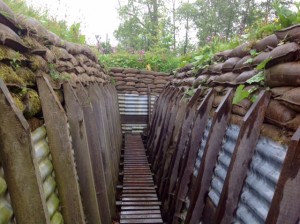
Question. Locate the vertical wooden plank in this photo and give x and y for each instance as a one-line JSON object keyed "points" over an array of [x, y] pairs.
{"points": [[242, 154], [219, 123], [96, 157], [191, 154], [82, 155], [149, 105], [61, 151], [25, 186], [101, 121], [285, 206]]}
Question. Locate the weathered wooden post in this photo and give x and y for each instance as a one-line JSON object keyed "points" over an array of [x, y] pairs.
{"points": [[62, 153], [25, 186]]}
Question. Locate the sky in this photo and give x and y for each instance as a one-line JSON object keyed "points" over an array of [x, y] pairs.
{"points": [[96, 17]]}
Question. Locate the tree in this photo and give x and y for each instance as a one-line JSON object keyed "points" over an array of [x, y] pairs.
{"points": [[185, 13], [142, 21]]}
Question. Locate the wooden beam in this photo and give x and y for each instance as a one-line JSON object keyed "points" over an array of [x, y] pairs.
{"points": [[95, 153], [82, 155], [219, 123], [241, 158], [62, 153], [20, 168], [190, 159], [285, 206]]}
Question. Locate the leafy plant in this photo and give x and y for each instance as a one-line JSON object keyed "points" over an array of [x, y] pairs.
{"points": [[258, 78], [241, 93], [263, 64], [15, 62], [189, 92]]}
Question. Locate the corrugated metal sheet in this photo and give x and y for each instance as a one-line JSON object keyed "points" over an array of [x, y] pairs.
{"points": [[133, 104], [223, 162], [42, 154], [201, 149], [261, 182], [6, 211]]}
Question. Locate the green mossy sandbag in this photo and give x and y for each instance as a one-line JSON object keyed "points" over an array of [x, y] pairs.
{"points": [[33, 104], [10, 77], [26, 75]]}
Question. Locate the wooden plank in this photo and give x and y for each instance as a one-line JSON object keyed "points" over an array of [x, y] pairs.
{"points": [[96, 158], [61, 151], [142, 221], [241, 158], [140, 212], [20, 168], [141, 216], [219, 123], [285, 206], [134, 119], [100, 120], [82, 155], [190, 159], [139, 199], [135, 203], [140, 208]]}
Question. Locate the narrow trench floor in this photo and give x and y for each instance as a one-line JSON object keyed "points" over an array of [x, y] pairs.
{"points": [[138, 200]]}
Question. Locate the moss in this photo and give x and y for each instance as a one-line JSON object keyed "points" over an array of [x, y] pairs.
{"points": [[10, 54], [26, 75], [33, 104], [9, 76], [37, 63], [18, 102]]}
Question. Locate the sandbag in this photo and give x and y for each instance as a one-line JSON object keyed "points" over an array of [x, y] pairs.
{"points": [[294, 123], [244, 76], [200, 80], [215, 68], [291, 99], [229, 64], [38, 63], [265, 43], [226, 78], [287, 74], [8, 17], [278, 113], [291, 33], [242, 107], [241, 51], [283, 53], [279, 91], [222, 56], [217, 100], [275, 133], [10, 39], [260, 58], [10, 77], [242, 64], [60, 53], [188, 81]]}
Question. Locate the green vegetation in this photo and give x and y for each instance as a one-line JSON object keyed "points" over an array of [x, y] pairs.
{"points": [[159, 60], [58, 27]]}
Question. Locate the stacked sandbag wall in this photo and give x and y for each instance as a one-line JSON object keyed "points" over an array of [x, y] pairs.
{"points": [[135, 81], [60, 134], [224, 141]]}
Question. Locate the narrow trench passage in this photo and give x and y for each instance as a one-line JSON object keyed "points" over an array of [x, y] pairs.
{"points": [[138, 199]]}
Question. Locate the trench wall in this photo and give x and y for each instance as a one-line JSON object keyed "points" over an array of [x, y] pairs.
{"points": [[222, 158], [60, 133], [137, 91]]}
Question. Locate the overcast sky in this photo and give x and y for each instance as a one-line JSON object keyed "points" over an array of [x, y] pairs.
{"points": [[97, 17]]}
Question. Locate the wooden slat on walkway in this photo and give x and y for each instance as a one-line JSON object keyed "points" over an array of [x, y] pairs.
{"points": [[139, 202]]}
